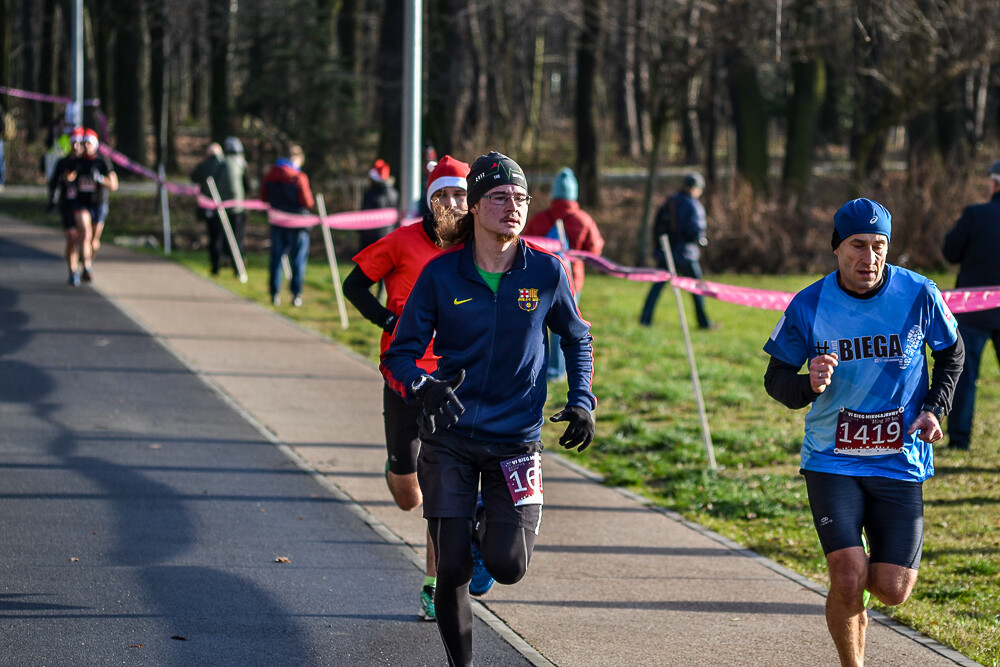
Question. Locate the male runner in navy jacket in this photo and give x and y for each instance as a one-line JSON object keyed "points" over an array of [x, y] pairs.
{"points": [[488, 302]]}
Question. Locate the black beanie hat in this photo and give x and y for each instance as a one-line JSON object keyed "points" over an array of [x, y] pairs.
{"points": [[490, 171]]}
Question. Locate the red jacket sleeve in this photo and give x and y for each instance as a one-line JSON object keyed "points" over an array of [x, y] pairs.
{"points": [[305, 193]]}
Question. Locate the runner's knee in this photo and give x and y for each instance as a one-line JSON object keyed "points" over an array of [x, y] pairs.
{"points": [[453, 545], [507, 551], [891, 584], [848, 571], [405, 490]]}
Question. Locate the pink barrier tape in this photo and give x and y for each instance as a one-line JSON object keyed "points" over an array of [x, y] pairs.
{"points": [[126, 163], [248, 204], [349, 220], [968, 301], [346, 221], [292, 220], [958, 300], [358, 220], [42, 97]]}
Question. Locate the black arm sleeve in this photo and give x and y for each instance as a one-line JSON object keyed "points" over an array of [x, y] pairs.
{"points": [[784, 384], [357, 289], [948, 364]]}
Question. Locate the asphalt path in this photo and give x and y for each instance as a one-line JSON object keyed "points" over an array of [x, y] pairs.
{"points": [[146, 521]]}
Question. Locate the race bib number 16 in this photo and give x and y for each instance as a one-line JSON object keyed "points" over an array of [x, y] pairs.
{"points": [[524, 478], [869, 433]]}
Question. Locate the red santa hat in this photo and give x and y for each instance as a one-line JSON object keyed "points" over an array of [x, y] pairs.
{"points": [[379, 172], [446, 173], [90, 137]]}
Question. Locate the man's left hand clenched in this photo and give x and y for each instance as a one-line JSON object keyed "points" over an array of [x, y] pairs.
{"points": [[928, 425]]}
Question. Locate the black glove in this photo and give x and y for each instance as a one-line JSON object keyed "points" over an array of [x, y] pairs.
{"points": [[441, 406], [581, 427], [389, 325]]}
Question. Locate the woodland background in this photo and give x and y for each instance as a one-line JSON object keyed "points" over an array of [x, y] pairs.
{"points": [[789, 107]]}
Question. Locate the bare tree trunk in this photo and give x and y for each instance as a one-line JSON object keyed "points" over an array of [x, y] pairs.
{"points": [[626, 112], [712, 126], [348, 19], [448, 75], [6, 32], [588, 145], [642, 76], [479, 107], [322, 107], [390, 84], [808, 90], [691, 129], [979, 105], [690, 125], [47, 52], [749, 120], [658, 126], [101, 21], [220, 30], [197, 81], [29, 59], [868, 140], [158, 76], [130, 84]]}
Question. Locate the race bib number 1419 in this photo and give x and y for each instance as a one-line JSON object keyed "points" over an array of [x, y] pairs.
{"points": [[869, 433]]}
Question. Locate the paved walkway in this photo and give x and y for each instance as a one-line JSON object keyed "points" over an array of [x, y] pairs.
{"points": [[612, 581]]}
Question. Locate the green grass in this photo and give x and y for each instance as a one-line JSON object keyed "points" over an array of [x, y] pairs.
{"points": [[649, 440]]}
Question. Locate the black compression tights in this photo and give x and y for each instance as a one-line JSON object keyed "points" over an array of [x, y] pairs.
{"points": [[506, 552]]}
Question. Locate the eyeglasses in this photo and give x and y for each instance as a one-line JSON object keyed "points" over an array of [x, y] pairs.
{"points": [[499, 199]]}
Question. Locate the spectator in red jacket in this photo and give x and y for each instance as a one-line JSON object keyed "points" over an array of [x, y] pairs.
{"points": [[286, 188], [581, 234]]}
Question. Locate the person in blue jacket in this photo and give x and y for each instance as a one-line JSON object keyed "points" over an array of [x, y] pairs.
{"points": [[682, 220], [488, 301]]}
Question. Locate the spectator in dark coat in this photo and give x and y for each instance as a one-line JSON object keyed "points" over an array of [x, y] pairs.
{"points": [[682, 219], [380, 194], [975, 244]]}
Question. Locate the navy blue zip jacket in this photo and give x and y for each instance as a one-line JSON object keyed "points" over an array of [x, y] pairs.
{"points": [[500, 340]]}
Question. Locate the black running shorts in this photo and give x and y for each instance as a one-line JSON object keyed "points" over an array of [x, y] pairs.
{"points": [[401, 439], [890, 510], [451, 468]]}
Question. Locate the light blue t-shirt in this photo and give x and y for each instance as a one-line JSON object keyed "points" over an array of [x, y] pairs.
{"points": [[881, 379]]}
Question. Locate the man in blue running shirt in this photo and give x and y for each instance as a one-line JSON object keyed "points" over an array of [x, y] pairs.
{"points": [[862, 333]]}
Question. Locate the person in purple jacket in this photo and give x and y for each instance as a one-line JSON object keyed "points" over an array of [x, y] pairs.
{"points": [[488, 301]]}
